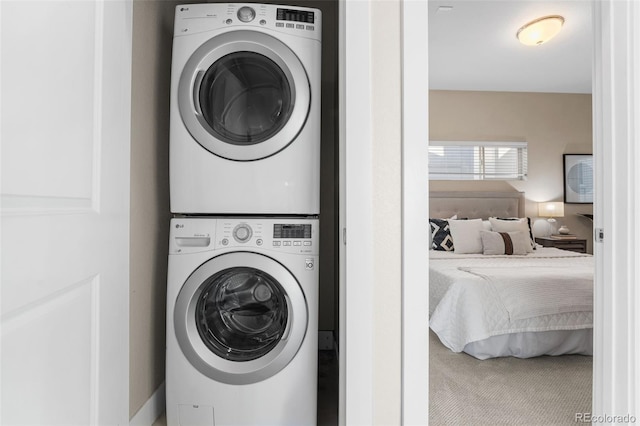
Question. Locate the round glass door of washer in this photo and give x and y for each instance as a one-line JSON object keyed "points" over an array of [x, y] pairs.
{"points": [[241, 313], [240, 324]]}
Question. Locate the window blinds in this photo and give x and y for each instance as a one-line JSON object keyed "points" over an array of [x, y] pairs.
{"points": [[461, 160]]}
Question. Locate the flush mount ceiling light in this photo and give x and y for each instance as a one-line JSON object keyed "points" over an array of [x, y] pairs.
{"points": [[540, 30]]}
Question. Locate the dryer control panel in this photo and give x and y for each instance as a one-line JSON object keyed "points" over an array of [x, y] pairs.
{"points": [[294, 20]]}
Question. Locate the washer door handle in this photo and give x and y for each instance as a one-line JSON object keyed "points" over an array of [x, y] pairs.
{"points": [[287, 330], [196, 91]]}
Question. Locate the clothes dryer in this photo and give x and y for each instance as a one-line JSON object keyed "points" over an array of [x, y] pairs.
{"points": [[242, 308], [245, 109]]}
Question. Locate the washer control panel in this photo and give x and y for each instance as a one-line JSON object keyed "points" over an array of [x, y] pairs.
{"points": [[242, 233], [238, 232], [300, 21], [289, 235], [246, 14], [292, 235]]}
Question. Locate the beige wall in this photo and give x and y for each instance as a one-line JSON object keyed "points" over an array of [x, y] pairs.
{"points": [[387, 165], [553, 124], [152, 38]]}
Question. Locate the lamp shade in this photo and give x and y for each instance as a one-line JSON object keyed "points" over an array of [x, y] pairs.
{"points": [[540, 31], [551, 209]]}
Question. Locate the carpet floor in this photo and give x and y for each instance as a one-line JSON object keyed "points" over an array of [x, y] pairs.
{"points": [[506, 391]]}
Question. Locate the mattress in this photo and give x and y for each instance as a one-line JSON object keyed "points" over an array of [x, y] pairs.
{"points": [[469, 312]]}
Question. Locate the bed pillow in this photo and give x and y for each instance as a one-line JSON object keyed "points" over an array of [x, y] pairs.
{"points": [[505, 242], [440, 235], [443, 235], [523, 219], [466, 235], [513, 225]]}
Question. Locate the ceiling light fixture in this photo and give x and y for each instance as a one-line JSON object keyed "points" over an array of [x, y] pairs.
{"points": [[540, 30]]}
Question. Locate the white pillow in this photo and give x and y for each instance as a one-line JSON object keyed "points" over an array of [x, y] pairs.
{"points": [[499, 225], [487, 225], [466, 235], [494, 243]]}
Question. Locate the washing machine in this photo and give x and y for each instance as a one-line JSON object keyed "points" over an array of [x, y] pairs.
{"points": [[245, 109], [242, 309]]}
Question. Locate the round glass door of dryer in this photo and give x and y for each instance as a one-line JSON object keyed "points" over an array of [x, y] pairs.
{"points": [[244, 95], [240, 317], [245, 98]]}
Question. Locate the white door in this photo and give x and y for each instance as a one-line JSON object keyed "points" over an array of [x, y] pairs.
{"points": [[65, 133]]}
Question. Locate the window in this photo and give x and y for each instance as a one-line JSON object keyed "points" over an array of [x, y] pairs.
{"points": [[455, 160]]}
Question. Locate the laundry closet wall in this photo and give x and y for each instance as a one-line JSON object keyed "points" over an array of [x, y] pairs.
{"points": [[152, 42], [151, 71]]}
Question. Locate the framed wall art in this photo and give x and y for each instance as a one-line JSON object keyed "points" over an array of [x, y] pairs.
{"points": [[578, 178]]}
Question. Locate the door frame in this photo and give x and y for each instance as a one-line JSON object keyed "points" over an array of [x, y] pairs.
{"points": [[355, 405], [616, 134], [415, 220], [616, 102]]}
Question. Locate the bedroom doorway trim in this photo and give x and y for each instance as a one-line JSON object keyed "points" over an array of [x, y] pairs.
{"points": [[355, 400], [415, 202], [616, 131]]}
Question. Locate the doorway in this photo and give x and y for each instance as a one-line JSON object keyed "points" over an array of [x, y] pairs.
{"points": [[415, 348], [506, 98]]}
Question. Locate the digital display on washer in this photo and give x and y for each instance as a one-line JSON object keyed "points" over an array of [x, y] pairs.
{"points": [[291, 231], [295, 15]]}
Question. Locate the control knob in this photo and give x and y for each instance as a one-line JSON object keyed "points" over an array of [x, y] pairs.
{"points": [[242, 233], [246, 14]]}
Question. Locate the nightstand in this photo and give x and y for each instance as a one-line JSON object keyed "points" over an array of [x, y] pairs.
{"points": [[577, 245]]}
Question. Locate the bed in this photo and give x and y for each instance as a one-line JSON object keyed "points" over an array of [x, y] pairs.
{"points": [[492, 305]]}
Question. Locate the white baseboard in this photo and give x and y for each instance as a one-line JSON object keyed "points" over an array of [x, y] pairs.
{"points": [[151, 410]]}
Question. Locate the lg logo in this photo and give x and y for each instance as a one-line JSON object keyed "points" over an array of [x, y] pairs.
{"points": [[179, 225], [308, 264]]}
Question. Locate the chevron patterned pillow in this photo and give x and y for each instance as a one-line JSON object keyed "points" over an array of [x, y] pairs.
{"points": [[440, 235]]}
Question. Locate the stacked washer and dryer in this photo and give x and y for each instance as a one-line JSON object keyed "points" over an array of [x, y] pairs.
{"points": [[242, 291]]}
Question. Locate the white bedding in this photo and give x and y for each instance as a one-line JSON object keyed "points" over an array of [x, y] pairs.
{"points": [[467, 308], [535, 291]]}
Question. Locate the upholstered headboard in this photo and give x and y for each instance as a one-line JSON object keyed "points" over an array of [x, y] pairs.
{"points": [[476, 204]]}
